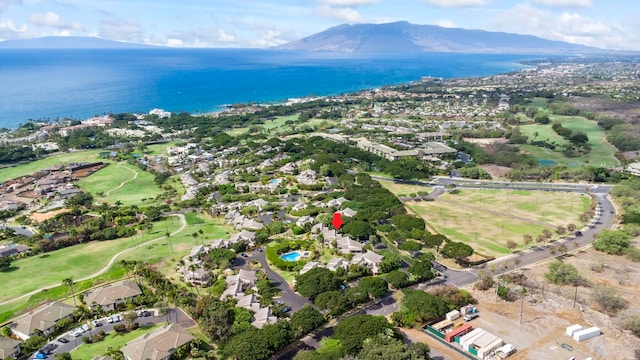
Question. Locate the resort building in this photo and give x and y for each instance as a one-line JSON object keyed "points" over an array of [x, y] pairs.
{"points": [[42, 319], [157, 345]]}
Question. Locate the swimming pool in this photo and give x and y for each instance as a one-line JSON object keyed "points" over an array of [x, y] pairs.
{"points": [[291, 256], [275, 181]]}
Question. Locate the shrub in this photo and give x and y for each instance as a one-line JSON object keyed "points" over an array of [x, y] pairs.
{"points": [[608, 299], [120, 328]]}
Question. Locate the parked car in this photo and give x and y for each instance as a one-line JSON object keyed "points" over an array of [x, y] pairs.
{"points": [[244, 255], [114, 318], [578, 233], [286, 309], [143, 313], [63, 340], [48, 349], [40, 355], [470, 317], [96, 323], [85, 327]]}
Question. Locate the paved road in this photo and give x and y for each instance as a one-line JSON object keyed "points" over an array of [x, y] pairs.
{"points": [[604, 219], [175, 315], [288, 296]]}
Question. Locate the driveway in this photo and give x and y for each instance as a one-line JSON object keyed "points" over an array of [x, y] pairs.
{"points": [[288, 296], [174, 315]]}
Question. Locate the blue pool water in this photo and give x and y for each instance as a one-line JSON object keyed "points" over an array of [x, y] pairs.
{"points": [[546, 162], [291, 256], [275, 181]]}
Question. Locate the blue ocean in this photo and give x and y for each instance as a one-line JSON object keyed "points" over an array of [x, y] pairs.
{"points": [[53, 84]]}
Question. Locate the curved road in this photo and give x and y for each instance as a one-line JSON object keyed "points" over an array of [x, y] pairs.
{"points": [[106, 267], [604, 219]]}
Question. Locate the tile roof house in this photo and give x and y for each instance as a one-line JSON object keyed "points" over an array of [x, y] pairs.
{"points": [[237, 284], [246, 236], [262, 317], [109, 296], [348, 212], [157, 345], [9, 348], [309, 266], [43, 319], [307, 177], [369, 259]]}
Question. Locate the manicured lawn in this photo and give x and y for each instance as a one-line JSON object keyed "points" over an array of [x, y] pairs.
{"points": [[113, 339], [166, 253], [540, 103], [403, 189], [278, 125], [59, 292], [107, 181], [78, 261], [64, 158], [601, 153], [487, 219]]}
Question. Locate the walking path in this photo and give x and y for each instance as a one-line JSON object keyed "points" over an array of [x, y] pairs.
{"points": [[135, 176], [106, 267]]}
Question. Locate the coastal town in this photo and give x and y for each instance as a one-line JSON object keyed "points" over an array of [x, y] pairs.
{"points": [[480, 218]]}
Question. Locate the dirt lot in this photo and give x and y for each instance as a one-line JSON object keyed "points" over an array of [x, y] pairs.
{"points": [[547, 314], [40, 217]]}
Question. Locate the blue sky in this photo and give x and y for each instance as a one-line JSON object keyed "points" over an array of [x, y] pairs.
{"points": [[613, 24]]}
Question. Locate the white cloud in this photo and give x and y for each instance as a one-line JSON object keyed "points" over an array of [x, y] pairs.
{"points": [[53, 20], [343, 14], [123, 30], [444, 23], [573, 4], [9, 30], [203, 37], [567, 26], [455, 3], [271, 38], [349, 2], [5, 3], [174, 42]]}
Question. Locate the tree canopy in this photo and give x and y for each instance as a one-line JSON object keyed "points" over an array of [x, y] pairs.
{"points": [[316, 281], [353, 331], [612, 242], [562, 274]]}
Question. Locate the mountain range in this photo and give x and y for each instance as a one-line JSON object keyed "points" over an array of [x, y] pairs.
{"points": [[70, 42], [403, 37], [389, 38]]}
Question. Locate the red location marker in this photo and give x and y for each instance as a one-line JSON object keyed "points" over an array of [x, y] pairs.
{"points": [[337, 220]]}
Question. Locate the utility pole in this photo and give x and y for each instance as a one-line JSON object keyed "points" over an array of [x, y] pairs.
{"points": [[521, 307], [575, 296]]}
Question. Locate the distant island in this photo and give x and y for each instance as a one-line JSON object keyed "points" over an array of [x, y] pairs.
{"points": [[390, 38], [404, 37]]}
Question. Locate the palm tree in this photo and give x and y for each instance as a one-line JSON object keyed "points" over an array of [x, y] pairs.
{"points": [[69, 282]]}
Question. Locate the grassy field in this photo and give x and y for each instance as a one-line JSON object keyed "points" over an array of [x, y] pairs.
{"points": [[403, 189], [113, 340], [601, 152], [164, 254], [9, 173], [277, 125], [59, 292], [78, 261], [137, 184], [487, 219], [540, 103]]}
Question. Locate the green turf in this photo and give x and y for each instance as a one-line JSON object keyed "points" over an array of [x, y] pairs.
{"points": [[164, 254], [486, 219], [106, 181], [540, 103], [59, 292], [601, 154], [113, 340], [277, 125], [77, 261], [9, 173]]}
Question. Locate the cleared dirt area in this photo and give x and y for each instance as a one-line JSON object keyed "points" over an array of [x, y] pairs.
{"points": [[496, 171], [546, 313], [40, 217], [486, 141]]}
